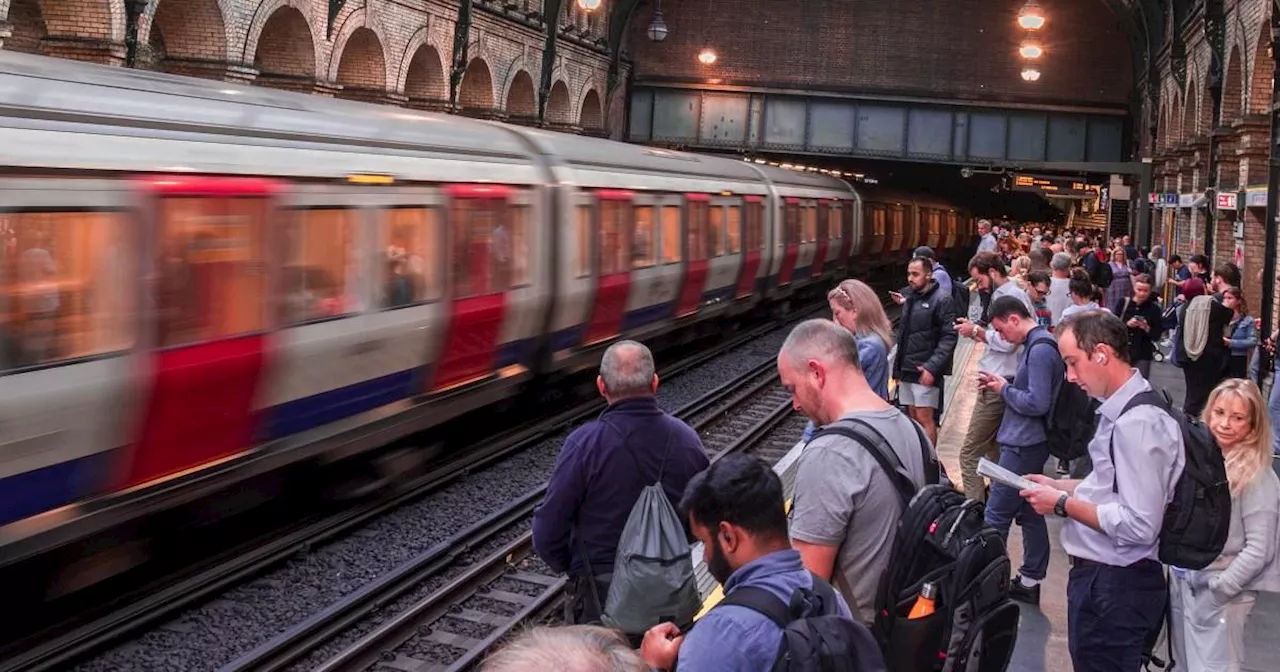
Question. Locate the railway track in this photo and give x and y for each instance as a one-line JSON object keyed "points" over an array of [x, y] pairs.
{"points": [[489, 596], [153, 604]]}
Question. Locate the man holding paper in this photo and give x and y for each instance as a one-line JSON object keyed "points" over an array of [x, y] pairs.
{"points": [[1024, 447], [1116, 594]]}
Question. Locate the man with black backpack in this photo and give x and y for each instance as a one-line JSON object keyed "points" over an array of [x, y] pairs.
{"points": [[1133, 511], [775, 614]]}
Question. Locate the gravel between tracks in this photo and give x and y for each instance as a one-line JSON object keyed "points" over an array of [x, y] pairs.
{"points": [[214, 633]]}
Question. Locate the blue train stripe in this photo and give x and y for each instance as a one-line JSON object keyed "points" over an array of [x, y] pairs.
{"points": [[802, 273], [640, 317], [310, 412], [519, 351], [722, 294], [39, 490]]}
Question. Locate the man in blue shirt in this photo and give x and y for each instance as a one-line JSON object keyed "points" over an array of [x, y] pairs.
{"points": [[736, 510], [1023, 444], [600, 472]]}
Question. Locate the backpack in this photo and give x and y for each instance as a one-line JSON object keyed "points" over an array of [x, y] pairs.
{"points": [[942, 538], [815, 637], [1197, 520], [960, 297], [653, 578], [1102, 275], [1073, 416]]}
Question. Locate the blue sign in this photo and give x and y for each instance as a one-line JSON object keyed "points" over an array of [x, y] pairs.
{"points": [[1170, 199]]}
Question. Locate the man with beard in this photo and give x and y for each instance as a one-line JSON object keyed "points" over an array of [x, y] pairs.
{"points": [[735, 508], [846, 509], [926, 343]]}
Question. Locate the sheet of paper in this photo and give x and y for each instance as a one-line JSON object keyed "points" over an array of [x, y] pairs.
{"points": [[998, 473]]}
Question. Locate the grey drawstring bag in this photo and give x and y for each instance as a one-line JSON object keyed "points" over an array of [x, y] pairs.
{"points": [[653, 578]]}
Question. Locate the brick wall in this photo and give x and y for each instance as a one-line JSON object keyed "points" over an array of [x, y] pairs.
{"points": [[425, 79], [28, 27], [476, 91], [362, 66], [285, 48], [940, 48]]}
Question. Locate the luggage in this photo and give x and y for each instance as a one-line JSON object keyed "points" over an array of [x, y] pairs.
{"points": [[1072, 419]]}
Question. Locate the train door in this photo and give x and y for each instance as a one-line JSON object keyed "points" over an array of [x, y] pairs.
{"points": [[753, 245], [842, 237], [934, 216], [210, 293], [69, 297], [792, 230], [615, 221], [478, 238], [696, 215], [724, 248], [655, 254], [822, 236]]}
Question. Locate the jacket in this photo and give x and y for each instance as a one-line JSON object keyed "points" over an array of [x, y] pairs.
{"points": [[926, 335], [1244, 337], [599, 474], [1249, 558], [1214, 359], [1028, 398], [1142, 347]]}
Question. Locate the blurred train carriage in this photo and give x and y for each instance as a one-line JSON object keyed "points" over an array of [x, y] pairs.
{"points": [[203, 283]]}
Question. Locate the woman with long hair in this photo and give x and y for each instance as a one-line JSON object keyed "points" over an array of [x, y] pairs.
{"points": [[1242, 334], [1121, 286], [855, 307], [1210, 606]]}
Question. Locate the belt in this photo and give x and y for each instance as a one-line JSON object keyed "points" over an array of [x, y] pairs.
{"points": [[1085, 562]]}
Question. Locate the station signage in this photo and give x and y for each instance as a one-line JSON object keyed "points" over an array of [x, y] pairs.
{"points": [[1255, 198], [1186, 200], [1228, 201], [1055, 187]]}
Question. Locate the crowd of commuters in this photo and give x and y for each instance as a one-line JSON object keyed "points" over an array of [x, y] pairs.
{"points": [[1047, 311]]}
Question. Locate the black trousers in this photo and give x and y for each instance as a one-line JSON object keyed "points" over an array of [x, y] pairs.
{"points": [[1113, 614]]}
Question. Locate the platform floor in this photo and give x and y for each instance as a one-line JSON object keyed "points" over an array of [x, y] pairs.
{"points": [[1042, 638]]}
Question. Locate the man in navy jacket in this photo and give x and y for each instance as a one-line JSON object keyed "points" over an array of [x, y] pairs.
{"points": [[1024, 446], [600, 472]]}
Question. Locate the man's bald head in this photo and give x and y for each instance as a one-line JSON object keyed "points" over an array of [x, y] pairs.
{"points": [[627, 370], [823, 341]]}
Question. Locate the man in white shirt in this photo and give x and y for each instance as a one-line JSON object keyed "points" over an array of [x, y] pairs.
{"points": [[988, 241], [1059, 286], [1116, 592], [1000, 359]]}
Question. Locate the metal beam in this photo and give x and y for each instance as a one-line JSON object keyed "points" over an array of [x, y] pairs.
{"points": [[461, 45], [1215, 34], [1273, 195], [551, 10]]}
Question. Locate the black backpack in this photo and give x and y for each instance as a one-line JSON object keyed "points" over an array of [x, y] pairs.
{"points": [[815, 636], [1197, 520], [960, 297], [1102, 275], [1073, 415], [942, 538]]}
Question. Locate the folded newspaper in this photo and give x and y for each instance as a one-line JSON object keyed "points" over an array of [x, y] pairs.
{"points": [[999, 474]]}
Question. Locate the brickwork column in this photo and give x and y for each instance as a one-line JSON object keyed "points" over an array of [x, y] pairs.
{"points": [[1224, 243], [1253, 132], [87, 49]]}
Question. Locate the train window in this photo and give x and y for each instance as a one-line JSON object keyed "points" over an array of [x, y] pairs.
{"points": [[793, 229], [211, 275], [896, 218], [582, 226], [697, 211], [521, 219], [820, 212], [735, 229], [935, 222], [810, 224], [66, 287], [482, 247], [671, 234], [614, 235], [755, 225], [835, 226], [412, 256], [644, 242], [318, 276], [715, 231], [878, 222]]}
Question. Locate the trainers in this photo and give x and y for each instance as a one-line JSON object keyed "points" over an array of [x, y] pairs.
{"points": [[1021, 593], [1064, 467]]}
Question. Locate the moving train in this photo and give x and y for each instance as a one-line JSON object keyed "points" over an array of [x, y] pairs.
{"points": [[202, 282]]}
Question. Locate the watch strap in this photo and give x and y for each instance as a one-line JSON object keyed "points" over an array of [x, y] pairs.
{"points": [[1060, 508]]}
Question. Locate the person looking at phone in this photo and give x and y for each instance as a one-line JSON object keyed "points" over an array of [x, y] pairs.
{"points": [[1142, 316], [999, 359], [926, 341]]}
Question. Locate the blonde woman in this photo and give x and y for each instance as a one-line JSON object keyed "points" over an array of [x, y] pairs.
{"points": [[1210, 606], [855, 307], [1019, 269]]}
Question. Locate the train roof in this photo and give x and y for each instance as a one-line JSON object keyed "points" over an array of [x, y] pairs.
{"points": [[795, 178]]}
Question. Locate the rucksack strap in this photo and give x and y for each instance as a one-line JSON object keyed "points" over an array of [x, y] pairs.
{"points": [[761, 601], [879, 448], [1147, 398]]}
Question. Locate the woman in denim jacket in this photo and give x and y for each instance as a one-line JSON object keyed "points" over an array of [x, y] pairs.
{"points": [[1242, 333]]}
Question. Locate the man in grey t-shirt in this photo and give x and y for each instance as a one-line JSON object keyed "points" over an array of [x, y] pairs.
{"points": [[845, 510]]}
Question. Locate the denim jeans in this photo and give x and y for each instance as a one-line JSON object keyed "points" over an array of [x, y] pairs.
{"points": [[1005, 505], [1273, 409]]}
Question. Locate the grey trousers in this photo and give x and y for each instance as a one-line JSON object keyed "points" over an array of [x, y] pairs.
{"points": [[1207, 636]]}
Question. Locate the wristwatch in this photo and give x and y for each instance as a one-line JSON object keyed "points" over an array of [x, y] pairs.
{"points": [[1060, 509]]}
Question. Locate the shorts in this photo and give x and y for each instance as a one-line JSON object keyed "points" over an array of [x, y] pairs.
{"points": [[920, 396]]}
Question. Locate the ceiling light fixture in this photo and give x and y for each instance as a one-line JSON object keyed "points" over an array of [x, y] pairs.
{"points": [[1031, 17]]}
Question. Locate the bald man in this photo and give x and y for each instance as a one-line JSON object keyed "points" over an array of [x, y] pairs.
{"points": [[601, 470], [846, 508]]}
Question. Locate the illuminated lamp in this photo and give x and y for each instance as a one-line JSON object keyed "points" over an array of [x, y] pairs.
{"points": [[658, 27], [1031, 50], [589, 5], [707, 57], [1031, 74], [1032, 16]]}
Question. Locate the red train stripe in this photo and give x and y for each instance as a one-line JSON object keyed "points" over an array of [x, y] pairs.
{"points": [[615, 195], [698, 197], [788, 264], [610, 307], [478, 191], [747, 281], [471, 347], [200, 185], [695, 279], [819, 258], [200, 407]]}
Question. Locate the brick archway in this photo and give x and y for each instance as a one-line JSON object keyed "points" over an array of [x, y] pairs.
{"points": [[522, 103], [1260, 80], [559, 109], [1187, 125], [362, 67], [425, 84], [188, 37], [285, 56], [591, 117], [1233, 88], [476, 91], [89, 31]]}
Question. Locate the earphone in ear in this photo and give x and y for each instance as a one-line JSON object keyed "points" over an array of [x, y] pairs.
{"points": [[1100, 359]]}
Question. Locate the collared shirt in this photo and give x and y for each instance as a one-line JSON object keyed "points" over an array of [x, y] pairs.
{"points": [[1001, 356], [1149, 459], [987, 244], [730, 638]]}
